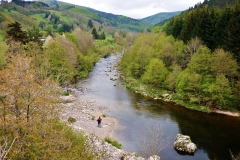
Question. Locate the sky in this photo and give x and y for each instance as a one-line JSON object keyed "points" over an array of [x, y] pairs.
{"points": [[136, 8]]}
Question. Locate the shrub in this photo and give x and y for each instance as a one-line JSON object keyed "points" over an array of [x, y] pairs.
{"points": [[71, 120], [113, 142], [65, 93]]}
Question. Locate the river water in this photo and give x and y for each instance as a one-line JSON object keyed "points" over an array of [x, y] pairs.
{"points": [[214, 134]]}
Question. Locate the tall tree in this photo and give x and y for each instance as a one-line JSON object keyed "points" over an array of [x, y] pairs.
{"points": [[90, 23], [16, 33], [94, 33]]}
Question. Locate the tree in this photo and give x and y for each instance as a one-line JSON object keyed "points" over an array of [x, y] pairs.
{"points": [[103, 37], [224, 64], [188, 85], [16, 33], [90, 24], [201, 61], [94, 33], [59, 66], [156, 73], [220, 92], [34, 35], [152, 140], [84, 41], [192, 47], [23, 98]]}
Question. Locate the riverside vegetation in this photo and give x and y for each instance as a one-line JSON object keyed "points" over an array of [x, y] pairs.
{"points": [[196, 60], [195, 76], [154, 63], [31, 76]]}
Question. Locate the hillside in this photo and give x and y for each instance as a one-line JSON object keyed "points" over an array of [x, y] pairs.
{"points": [[159, 17], [106, 19], [215, 3], [217, 26], [54, 16]]}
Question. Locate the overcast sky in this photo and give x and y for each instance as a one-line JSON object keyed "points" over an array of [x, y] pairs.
{"points": [[136, 8]]}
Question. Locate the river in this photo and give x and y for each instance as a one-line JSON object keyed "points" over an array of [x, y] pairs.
{"points": [[214, 134]]}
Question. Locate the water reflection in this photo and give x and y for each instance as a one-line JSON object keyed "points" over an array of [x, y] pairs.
{"points": [[213, 134]]}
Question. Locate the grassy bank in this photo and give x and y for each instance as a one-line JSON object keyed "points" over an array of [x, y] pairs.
{"points": [[157, 93]]}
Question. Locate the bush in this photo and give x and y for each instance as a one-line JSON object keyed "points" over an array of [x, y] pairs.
{"points": [[113, 142], [71, 120], [65, 93]]}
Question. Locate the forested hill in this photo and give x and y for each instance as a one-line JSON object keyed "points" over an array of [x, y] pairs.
{"points": [[159, 17], [55, 16], [217, 27], [108, 19], [219, 3]]}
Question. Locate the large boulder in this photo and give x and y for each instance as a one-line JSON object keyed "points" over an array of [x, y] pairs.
{"points": [[183, 143]]}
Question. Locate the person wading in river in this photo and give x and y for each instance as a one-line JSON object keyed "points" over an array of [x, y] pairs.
{"points": [[99, 121]]}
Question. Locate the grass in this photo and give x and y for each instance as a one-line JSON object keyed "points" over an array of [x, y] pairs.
{"points": [[136, 85], [93, 117], [62, 16], [104, 115], [65, 93], [39, 17], [113, 142], [3, 48]]}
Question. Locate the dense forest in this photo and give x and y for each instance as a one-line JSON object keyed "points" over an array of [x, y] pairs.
{"points": [[217, 27]]}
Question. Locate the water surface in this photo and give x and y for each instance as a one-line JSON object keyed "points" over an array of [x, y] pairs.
{"points": [[214, 134]]}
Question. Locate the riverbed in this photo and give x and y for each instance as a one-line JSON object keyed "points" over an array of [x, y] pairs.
{"points": [[214, 134]]}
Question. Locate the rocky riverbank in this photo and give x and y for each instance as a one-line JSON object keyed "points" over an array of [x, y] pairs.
{"points": [[85, 113]]}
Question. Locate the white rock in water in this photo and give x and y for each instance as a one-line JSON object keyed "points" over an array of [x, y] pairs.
{"points": [[184, 143]]}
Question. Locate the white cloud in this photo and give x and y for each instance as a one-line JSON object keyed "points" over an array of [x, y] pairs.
{"points": [[136, 8]]}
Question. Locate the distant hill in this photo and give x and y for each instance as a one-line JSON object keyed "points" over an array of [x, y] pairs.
{"points": [[107, 19], [159, 17]]}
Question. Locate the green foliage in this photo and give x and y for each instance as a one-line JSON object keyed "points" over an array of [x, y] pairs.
{"points": [[159, 17], [216, 26], [65, 93], [197, 76], [71, 37], [113, 142], [104, 115], [60, 68], [201, 61], [1, 19], [156, 73], [95, 34], [16, 33], [2, 60], [71, 120], [90, 23], [34, 35], [93, 117]]}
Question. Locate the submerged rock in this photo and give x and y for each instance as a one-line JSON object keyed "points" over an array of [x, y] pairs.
{"points": [[183, 143]]}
